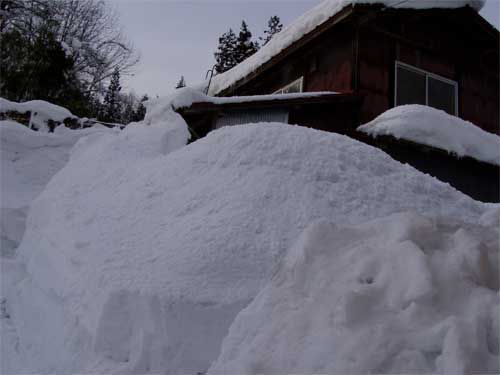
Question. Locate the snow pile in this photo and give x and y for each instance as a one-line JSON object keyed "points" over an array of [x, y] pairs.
{"points": [[139, 259], [310, 21], [28, 160], [402, 294], [41, 112], [432, 127]]}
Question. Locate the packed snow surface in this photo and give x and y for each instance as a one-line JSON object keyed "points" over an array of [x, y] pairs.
{"points": [[140, 252], [28, 160], [401, 294], [311, 20], [436, 128], [41, 111]]}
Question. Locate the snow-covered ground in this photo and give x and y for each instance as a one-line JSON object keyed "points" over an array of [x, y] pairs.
{"points": [[28, 160], [432, 127], [140, 252]]}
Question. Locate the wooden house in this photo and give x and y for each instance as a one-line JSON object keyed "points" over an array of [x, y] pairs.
{"points": [[447, 58], [375, 56]]}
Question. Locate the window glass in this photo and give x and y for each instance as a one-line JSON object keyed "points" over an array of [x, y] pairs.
{"points": [[411, 87], [294, 87], [415, 86], [441, 95]]}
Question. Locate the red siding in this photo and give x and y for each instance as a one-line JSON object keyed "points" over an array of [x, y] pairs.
{"points": [[452, 44]]}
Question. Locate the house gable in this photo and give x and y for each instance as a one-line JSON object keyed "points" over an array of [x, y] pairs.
{"points": [[357, 49]]}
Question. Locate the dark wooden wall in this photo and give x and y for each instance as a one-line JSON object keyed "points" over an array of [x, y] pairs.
{"points": [[448, 43], [325, 63], [359, 55]]}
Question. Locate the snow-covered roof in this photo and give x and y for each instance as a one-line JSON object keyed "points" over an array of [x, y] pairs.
{"points": [[186, 96], [310, 21], [438, 129], [40, 107]]}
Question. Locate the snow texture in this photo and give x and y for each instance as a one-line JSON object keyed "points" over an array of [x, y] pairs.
{"points": [[41, 111], [140, 252], [28, 160], [438, 129], [402, 294], [310, 21]]}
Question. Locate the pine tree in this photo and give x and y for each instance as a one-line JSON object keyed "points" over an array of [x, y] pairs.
{"points": [[274, 26], [181, 83], [128, 114], [225, 55], [140, 112], [244, 46], [112, 103]]}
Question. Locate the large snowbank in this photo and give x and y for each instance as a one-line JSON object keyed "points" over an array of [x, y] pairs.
{"points": [[139, 258], [41, 111], [436, 128], [311, 20], [28, 160], [402, 294]]}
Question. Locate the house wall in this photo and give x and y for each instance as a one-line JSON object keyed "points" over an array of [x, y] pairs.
{"points": [[346, 58], [326, 65], [450, 45]]}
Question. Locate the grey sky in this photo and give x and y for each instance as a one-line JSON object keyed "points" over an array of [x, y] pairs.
{"points": [[179, 37]]}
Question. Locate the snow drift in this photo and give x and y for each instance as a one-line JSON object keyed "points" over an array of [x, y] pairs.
{"points": [[139, 258], [28, 160], [438, 129], [310, 21], [402, 294]]}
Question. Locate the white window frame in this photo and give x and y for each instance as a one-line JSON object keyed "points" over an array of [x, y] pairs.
{"points": [[299, 80], [427, 76]]}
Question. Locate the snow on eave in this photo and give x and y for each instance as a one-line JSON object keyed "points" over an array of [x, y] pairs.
{"points": [[39, 107], [310, 21], [435, 128]]}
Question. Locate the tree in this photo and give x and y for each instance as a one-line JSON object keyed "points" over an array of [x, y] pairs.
{"points": [[128, 114], [274, 26], [140, 112], [244, 46], [226, 52], [37, 69], [87, 30], [112, 104], [181, 83]]}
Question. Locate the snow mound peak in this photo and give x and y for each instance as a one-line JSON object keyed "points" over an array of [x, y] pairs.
{"points": [[401, 294], [438, 129]]}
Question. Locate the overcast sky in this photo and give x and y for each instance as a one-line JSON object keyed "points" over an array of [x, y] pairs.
{"points": [[179, 37]]}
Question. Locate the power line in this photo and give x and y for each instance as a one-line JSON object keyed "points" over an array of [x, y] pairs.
{"points": [[399, 3]]}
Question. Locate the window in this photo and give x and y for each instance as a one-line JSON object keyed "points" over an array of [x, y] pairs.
{"points": [[416, 86], [294, 87]]}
